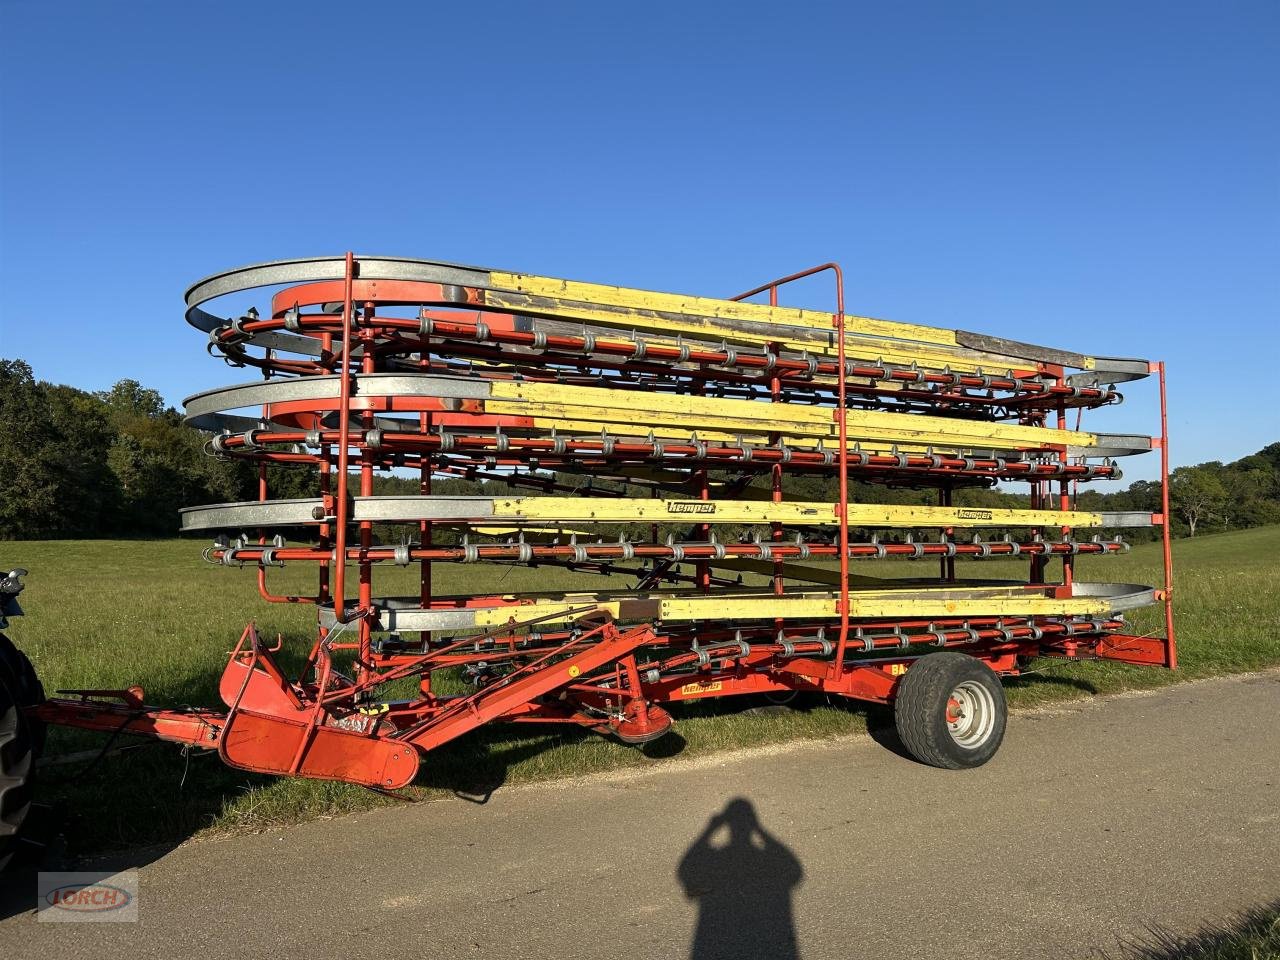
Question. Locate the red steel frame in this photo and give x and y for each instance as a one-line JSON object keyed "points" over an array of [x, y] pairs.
{"points": [[326, 724]]}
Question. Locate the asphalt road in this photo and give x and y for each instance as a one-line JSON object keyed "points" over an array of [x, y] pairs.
{"points": [[1094, 821]]}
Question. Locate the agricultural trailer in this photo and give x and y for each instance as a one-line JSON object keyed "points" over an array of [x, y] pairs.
{"points": [[648, 445]]}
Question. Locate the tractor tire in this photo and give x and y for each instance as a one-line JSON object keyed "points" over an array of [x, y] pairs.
{"points": [[21, 742], [16, 669], [950, 711]]}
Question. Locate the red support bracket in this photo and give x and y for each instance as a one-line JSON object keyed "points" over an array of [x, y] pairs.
{"points": [[495, 701]]}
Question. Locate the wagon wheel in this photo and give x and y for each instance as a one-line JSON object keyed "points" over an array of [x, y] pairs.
{"points": [[21, 742], [950, 711]]}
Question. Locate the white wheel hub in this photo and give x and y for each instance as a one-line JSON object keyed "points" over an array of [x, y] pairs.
{"points": [[971, 714]]}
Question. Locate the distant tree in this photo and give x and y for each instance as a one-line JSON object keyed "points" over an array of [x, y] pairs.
{"points": [[113, 463], [29, 481], [131, 397], [161, 463], [1253, 494], [1197, 493], [293, 481], [1267, 458], [88, 490]]}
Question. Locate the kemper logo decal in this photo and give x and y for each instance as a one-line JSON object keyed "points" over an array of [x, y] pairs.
{"points": [[700, 687], [974, 514], [690, 506]]}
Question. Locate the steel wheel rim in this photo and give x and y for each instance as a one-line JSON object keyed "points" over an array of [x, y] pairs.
{"points": [[970, 714]]}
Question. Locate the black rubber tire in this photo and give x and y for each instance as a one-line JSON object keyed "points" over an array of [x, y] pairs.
{"points": [[16, 669], [21, 742], [921, 703]]}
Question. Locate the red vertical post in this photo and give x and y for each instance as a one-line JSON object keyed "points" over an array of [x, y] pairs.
{"points": [[1171, 646], [326, 487], [842, 507], [1040, 495], [702, 568], [1064, 501], [776, 470], [842, 510], [424, 488], [367, 422], [325, 543], [948, 563], [341, 507]]}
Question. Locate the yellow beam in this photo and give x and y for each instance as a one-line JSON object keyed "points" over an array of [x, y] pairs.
{"points": [[706, 318], [657, 303], [876, 605], [625, 510], [680, 434], [798, 512], [683, 607], [642, 410]]}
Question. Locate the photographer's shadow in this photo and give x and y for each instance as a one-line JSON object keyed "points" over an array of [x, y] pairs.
{"points": [[743, 887]]}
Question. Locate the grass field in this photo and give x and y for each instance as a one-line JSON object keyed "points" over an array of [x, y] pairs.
{"points": [[112, 613]]}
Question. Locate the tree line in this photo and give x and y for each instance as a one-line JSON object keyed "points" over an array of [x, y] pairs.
{"points": [[120, 463]]}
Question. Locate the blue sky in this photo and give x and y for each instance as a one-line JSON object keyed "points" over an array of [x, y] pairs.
{"points": [[1098, 176]]}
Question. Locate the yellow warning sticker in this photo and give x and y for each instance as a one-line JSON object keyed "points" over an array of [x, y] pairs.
{"points": [[575, 670]]}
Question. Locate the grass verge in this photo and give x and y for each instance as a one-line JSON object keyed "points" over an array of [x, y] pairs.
{"points": [[111, 614], [1253, 935]]}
